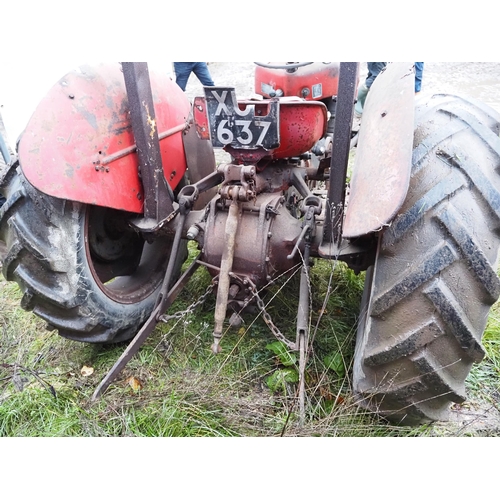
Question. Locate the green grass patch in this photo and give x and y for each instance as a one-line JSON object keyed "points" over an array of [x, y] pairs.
{"points": [[175, 385]]}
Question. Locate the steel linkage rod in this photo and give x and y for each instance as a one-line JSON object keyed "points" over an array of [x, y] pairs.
{"points": [[145, 331], [164, 301], [158, 196], [340, 151], [225, 269], [303, 328]]}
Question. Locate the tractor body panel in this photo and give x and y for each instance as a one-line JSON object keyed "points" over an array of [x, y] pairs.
{"points": [[302, 124], [312, 82], [79, 145], [382, 166]]}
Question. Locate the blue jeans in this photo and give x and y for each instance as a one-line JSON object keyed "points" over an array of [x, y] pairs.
{"points": [[419, 69], [4, 151], [374, 69], [184, 69]]}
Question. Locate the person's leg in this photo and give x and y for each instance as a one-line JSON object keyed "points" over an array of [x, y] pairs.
{"points": [[4, 153], [182, 72], [419, 69], [360, 99], [200, 69], [374, 69]]}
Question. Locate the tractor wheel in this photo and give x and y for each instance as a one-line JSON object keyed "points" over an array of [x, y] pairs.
{"points": [[80, 267], [428, 295]]}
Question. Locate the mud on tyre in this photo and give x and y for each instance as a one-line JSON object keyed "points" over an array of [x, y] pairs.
{"points": [[80, 267], [428, 296]]}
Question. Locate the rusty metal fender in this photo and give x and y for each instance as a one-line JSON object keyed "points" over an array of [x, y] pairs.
{"points": [[382, 167], [78, 144]]}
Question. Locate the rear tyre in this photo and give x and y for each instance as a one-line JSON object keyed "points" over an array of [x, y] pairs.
{"points": [[80, 267], [428, 296]]}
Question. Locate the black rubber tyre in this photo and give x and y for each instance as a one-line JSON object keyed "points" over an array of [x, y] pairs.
{"points": [[80, 268], [429, 293]]}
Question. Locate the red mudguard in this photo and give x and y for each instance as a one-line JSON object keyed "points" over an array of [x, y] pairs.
{"points": [[78, 144]]}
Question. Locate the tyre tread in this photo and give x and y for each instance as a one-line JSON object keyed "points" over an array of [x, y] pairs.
{"points": [[42, 236], [412, 371]]}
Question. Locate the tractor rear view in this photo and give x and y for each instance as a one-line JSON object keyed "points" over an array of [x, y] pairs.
{"points": [[115, 173]]}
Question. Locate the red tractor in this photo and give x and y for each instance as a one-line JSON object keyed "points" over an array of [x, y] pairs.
{"points": [[115, 172]]}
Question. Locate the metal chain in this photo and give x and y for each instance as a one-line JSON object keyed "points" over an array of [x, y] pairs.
{"points": [[267, 318], [260, 303], [180, 314]]}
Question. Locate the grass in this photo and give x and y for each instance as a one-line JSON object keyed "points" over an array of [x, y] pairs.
{"points": [[175, 386]]}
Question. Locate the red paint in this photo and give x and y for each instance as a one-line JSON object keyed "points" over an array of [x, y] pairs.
{"points": [[72, 143], [293, 84], [302, 124]]}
